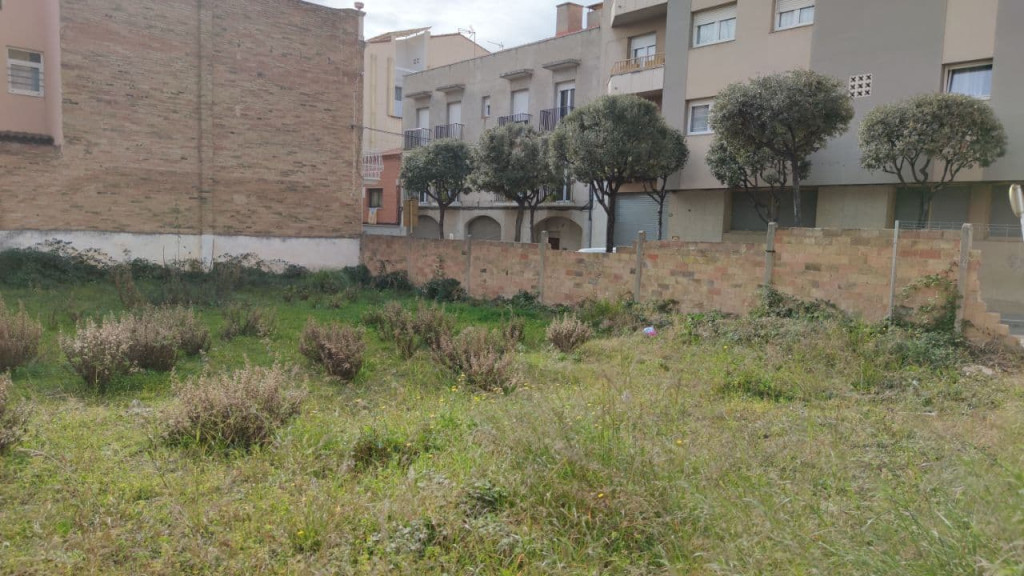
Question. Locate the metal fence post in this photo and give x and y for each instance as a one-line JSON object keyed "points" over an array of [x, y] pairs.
{"points": [[966, 243], [641, 241], [892, 272], [543, 247], [769, 254]]}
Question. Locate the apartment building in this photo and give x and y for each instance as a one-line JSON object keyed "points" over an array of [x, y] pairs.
{"points": [[186, 129], [538, 84], [389, 58]]}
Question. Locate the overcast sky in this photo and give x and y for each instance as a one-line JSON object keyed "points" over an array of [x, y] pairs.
{"points": [[509, 23]]}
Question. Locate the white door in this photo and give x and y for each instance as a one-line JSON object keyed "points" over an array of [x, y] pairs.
{"points": [[423, 117], [455, 112], [521, 102]]}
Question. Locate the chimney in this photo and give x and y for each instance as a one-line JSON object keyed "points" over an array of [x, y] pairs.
{"points": [[570, 18], [594, 15]]}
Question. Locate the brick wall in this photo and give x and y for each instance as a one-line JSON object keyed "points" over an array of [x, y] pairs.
{"points": [[228, 117], [850, 268]]}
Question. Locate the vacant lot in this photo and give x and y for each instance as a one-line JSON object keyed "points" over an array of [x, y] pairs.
{"points": [[793, 441]]}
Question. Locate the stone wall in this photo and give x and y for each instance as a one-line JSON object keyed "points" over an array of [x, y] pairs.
{"points": [[850, 268]]}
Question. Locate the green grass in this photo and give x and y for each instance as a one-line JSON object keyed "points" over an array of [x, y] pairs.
{"points": [[720, 446]]}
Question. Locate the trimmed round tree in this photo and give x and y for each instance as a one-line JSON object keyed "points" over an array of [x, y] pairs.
{"points": [[790, 115], [441, 171], [607, 143], [927, 140]]}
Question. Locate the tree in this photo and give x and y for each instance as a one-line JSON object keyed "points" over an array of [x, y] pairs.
{"points": [[756, 173], [668, 156], [790, 115], [932, 135], [440, 170], [512, 161], [603, 144]]}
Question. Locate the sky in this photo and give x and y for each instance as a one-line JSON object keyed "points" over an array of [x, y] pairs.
{"points": [[495, 22]]}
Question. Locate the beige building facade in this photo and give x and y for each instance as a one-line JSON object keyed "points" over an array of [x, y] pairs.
{"points": [[681, 53], [389, 58]]}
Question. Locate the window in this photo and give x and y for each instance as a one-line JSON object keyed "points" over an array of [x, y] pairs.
{"points": [[643, 46], [398, 101], [860, 85], [376, 197], [521, 102], [713, 26], [973, 80], [700, 117], [24, 72], [423, 117], [485, 105], [793, 13]]}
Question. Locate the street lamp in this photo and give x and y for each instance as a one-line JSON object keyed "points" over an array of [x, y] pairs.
{"points": [[1017, 204]]}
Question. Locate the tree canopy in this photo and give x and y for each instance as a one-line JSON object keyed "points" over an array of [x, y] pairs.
{"points": [[606, 144], [789, 115], [441, 170], [927, 140], [512, 161]]}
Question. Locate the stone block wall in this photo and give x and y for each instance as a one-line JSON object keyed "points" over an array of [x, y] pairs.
{"points": [[850, 268]]}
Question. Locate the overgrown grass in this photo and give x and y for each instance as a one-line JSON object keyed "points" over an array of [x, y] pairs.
{"points": [[782, 443]]}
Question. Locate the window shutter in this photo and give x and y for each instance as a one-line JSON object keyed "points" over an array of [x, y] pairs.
{"points": [[787, 5], [716, 14]]}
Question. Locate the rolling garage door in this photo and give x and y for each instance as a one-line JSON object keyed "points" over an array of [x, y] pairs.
{"points": [[633, 213]]}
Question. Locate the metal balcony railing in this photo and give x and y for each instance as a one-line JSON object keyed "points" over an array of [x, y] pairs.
{"points": [[514, 119], [639, 63], [416, 137], [448, 131], [550, 118]]}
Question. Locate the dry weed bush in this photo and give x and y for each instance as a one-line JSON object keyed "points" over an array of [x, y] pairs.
{"points": [[149, 339], [247, 320], [100, 352], [19, 337], [12, 419], [433, 325], [394, 324], [234, 409], [477, 361], [568, 332], [338, 348]]}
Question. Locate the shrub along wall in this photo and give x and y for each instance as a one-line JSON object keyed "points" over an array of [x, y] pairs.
{"points": [[850, 268]]}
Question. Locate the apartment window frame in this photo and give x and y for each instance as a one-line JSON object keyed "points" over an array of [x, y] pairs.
{"points": [[485, 107], [39, 67], [716, 18], [701, 103], [375, 197], [396, 105], [647, 49], [951, 71], [798, 9]]}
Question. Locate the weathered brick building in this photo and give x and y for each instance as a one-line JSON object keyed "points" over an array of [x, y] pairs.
{"points": [[192, 128]]}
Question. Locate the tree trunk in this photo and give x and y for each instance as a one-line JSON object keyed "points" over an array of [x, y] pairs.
{"points": [[440, 221], [533, 234], [661, 212], [519, 223], [797, 221], [609, 233]]}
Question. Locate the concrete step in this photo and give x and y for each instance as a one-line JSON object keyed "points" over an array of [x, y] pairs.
{"points": [[1015, 322]]}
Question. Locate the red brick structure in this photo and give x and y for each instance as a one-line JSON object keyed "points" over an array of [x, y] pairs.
{"points": [[226, 123]]}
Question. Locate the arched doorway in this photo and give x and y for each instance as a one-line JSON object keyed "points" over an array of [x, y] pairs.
{"points": [[426, 227], [563, 234], [484, 228]]}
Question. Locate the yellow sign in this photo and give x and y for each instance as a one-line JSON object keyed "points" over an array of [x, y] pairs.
{"points": [[411, 213]]}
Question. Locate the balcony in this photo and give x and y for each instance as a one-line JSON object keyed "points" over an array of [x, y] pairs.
{"points": [[448, 131], [625, 12], [550, 118], [642, 75], [514, 119], [416, 137]]}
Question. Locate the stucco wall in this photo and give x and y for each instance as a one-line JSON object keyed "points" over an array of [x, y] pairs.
{"points": [[32, 25]]}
